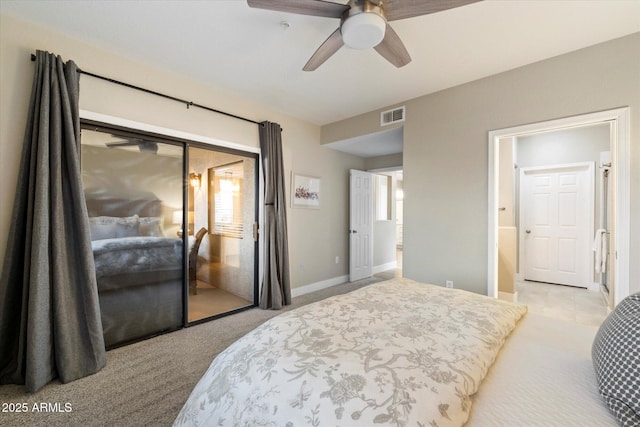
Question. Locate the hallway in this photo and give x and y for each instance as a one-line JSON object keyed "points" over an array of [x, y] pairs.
{"points": [[563, 302]]}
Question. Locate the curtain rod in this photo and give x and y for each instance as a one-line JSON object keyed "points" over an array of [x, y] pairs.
{"points": [[173, 98]]}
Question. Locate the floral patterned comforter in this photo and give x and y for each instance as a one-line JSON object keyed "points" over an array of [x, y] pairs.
{"points": [[398, 353]]}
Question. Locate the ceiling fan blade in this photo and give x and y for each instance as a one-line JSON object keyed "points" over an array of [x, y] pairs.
{"points": [[330, 46], [303, 7], [392, 48], [401, 9]]}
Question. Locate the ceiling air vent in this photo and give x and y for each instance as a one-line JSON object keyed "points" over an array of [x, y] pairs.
{"points": [[392, 116]]}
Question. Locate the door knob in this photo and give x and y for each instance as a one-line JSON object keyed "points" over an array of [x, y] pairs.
{"points": [[528, 231]]}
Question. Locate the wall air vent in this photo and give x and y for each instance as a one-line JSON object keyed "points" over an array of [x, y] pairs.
{"points": [[390, 117]]}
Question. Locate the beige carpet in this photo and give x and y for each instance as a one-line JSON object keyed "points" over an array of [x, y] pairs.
{"points": [[144, 383]]}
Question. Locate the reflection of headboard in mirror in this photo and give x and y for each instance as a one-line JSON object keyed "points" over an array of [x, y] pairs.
{"points": [[144, 205]]}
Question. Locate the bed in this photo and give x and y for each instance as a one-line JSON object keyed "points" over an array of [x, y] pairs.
{"points": [[404, 353], [373, 356], [139, 270]]}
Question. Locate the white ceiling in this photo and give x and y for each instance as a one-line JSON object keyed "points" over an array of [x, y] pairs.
{"points": [[377, 144], [245, 51]]}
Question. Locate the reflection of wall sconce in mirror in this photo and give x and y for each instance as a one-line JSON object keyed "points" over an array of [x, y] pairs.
{"points": [[195, 179]]}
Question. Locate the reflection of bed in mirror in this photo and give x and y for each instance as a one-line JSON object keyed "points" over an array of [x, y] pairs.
{"points": [[139, 270]]}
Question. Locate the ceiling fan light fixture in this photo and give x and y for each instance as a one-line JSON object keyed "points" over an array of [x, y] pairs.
{"points": [[364, 30]]}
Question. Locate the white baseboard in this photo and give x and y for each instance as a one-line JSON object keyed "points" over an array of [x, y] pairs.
{"points": [[508, 296], [317, 286], [604, 293], [384, 267]]}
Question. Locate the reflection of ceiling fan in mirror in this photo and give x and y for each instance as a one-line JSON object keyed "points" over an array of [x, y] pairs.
{"points": [[143, 145], [363, 23]]}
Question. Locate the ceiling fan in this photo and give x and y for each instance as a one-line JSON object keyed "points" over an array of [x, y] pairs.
{"points": [[363, 23], [143, 145]]}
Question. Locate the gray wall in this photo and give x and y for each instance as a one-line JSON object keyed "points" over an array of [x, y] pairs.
{"points": [[574, 145], [384, 243], [446, 151], [384, 162]]}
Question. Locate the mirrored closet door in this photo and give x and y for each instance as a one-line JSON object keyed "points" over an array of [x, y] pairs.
{"points": [[133, 187], [173, 228]]}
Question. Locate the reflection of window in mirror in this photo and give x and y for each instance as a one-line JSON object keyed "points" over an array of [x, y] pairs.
{"points": [[382, 197], [227, 203]]}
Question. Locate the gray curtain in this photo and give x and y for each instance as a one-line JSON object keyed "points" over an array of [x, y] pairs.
{"points": [[50, 318], [276, 286]]}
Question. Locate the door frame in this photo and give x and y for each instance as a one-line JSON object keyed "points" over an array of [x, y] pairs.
{"points": [[589, 167], [619, 120]]}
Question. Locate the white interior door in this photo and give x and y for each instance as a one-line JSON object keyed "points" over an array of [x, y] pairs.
{"points": [[556, 220], [360, 225]]}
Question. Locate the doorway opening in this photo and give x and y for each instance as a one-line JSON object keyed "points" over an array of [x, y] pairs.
{"points": [[388, 229], [618, 121], [376, 226]]}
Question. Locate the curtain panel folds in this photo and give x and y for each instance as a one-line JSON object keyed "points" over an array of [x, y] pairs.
{"points": [[49, 312], [276, 286]]}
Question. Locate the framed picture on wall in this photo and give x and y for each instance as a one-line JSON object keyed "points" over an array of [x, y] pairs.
{"points": [[305, 191]]}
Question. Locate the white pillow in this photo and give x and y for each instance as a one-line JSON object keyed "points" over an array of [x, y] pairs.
{"points": [[113, 227]]}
